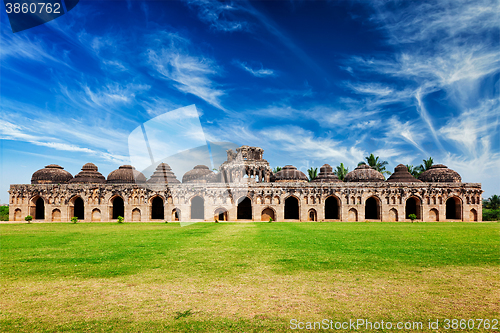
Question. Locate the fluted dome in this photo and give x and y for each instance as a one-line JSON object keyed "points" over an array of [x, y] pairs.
{"points": [[126, 174], [326, 175], [364, 173], [163, 175], [89, 174], [402, 175], [440, 173], [199, 174], [51, 174], [289, 173]]}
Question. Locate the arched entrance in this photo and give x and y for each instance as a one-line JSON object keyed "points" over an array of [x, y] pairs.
{"points": [[56, 215], [291, 208], [96, 215], [352, 215], [267, 214], [412, 207], [176, 214], [157, 212], [197, 208], [118, 208], [244, 209], [40, 209], [312, 215], [453, 209], [372, 209], [433, 215], [79, 208], [17, 215], [136, 215], [332, 208], [220, 214], [473, 215], [393, 215]]}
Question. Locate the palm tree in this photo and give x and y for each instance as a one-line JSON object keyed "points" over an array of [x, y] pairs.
{"points": [[427, 164], [341, 171], [415, 171], [375, 163], [494, 202], [277, 169], [313, 173]]}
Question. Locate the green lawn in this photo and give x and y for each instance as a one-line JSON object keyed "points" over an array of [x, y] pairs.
{"points": [[243, 276]]}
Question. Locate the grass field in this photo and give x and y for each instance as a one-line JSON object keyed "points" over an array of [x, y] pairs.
{"points": [[244, 277]]}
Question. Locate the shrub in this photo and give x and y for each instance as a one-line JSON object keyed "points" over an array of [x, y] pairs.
{"points": [[74, 219], [270, 219], [412, 217], [216, 221], [166, 221], [120, 219], [28, 218], [4, 213], [491, 215]]}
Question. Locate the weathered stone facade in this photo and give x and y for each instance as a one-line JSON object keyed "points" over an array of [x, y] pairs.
{"points": [[256, 198]]}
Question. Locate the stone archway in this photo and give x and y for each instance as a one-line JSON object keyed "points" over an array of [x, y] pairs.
{"points": [[267, 214], [39, 209], [291, 208], [17, 215], [433, 215], [244, 210], [312, 215], [136, 215], [56, 215], [79, 208], [453, 209], [96, 215], [352, 215], [197, 208], [372, 209], [176, 214], [332, 208], [393, 215], [412, 207], [473, 215], [118, 208], [157, 211], [221, 214]]}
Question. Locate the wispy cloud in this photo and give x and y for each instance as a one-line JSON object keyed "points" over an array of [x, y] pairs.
{"points": [[221, 16], [260, 72], [172, 59]]}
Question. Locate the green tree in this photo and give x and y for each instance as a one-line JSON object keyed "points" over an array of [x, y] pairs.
{"points": [[4, 213], [494, 202], [28, 218], [277, 169], [376, 163], [427, 164], [313, 173], [415, 171], [341, 171], [74, 219]]}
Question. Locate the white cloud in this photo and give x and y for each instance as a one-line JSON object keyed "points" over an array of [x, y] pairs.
{"points": [[221, 16], [262, 72]]}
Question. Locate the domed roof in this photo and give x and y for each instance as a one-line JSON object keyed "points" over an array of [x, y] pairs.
{"points": [[163, 174], [440, 173], [126, 174], [51, 174], [402, 175], [326, 175], [199, 174], [89, 174], [364, 173], [289, 173]]}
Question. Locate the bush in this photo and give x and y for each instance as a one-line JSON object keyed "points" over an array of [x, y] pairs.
{"points": [[4, 213], [412, 217], [216, 221], [491, 214], [28, 218], [120, 219], [270, 219], [74, 219]]}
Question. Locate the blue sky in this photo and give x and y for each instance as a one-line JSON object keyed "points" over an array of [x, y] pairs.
{"points": [[309, 82]]}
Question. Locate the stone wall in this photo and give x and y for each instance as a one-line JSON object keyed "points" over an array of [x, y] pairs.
{"points": [[380, 201]]}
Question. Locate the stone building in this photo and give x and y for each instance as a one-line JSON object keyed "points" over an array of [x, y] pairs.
{"points": [[245, 189]]}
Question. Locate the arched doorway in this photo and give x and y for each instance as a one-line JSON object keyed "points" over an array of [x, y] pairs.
{"points": [[393, 215], [40, 209], [197, 208], [136, 215], [56, 215], [352, 215], [79, 209], [267, 214], [118, 208], [453, 209], [433, 215], [17, 215], [473, 215], [291, 208], [96, 215], [157, 212], [331, 208], [412, 207], [244, 209], [312, 215], [220, 214], [372, 211], [176, 214]]}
